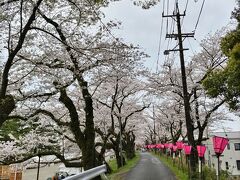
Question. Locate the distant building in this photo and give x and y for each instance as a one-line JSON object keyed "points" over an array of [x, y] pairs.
{"points": [[230, 159]]}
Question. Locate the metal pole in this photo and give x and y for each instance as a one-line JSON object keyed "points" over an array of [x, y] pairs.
{"points": [[121, 155], [15, 173], [174, 156], [63, 146], [38, 167], [180, 162], [181, 159], [218, 168], [154, 126], [189, 171], [154, 130], [200, 168]]}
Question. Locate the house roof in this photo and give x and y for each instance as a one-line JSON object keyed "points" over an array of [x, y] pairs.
{"points": [[229, 135]]}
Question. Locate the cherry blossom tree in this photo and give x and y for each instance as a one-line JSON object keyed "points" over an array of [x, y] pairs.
{"points": [[54, 48], [120, 110]]}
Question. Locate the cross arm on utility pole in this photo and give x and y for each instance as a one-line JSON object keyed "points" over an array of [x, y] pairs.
{"points": [[184, 35], [173, 15], [166, 52]]}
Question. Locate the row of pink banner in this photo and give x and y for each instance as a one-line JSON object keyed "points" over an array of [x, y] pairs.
{"points": [[179, 146], [219, 144]]}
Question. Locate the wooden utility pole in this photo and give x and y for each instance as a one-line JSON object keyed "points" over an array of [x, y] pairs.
{"points": [[120, 144], [154, 127], [38, 169], [188, 119]]}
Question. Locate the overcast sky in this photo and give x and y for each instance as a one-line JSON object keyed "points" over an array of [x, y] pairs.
{"points": [[142, 27]]}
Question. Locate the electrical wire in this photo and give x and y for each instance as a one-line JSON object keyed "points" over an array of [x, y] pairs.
{"points": [[159, 45], [171, 31], [194, 52], [190, 45], [224, 130], [186, 6], [163, 6], [199, 16], [167, 14]]}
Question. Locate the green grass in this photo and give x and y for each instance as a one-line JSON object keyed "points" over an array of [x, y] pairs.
{"points": [[118, 174], [210, 174], [113, 164], [180, 175]]}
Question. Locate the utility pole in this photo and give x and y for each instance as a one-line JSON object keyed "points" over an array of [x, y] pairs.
{"points": [[154, 129], [63, 146], [38, 169], [189, 123], [121, 147], [154, 126]]}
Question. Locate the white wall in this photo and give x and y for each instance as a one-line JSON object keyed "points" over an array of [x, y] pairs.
{"points": [[229, 155]]}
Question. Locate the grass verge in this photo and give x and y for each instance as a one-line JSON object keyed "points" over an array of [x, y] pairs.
{"points": [[180, 175], [118, 174]]}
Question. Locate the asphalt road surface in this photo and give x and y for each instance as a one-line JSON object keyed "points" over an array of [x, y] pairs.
{"points": [[149, 168]]}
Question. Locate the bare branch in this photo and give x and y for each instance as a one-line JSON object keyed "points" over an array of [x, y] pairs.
{"points": [[16, 50], [49, 114], [7, 2]]}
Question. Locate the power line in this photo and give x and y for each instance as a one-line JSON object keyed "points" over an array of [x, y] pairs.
{"points": [[199, 15], [159, 45], [169, 39], [167, 17], [189, 42], [191, 47], [163, 5], [169, 28], [186, 6]]}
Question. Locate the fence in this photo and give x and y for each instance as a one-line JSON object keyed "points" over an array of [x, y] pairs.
{"points": [[7, 173]]}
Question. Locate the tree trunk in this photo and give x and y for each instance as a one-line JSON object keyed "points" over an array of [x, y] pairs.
{"points": [[193, 161], [7, 105], [88, 158], [129, 145], [101, 159], [120, 162], [130, 151], [89, 133], [86, 139]]}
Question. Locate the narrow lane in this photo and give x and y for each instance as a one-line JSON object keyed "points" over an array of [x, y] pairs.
{"points": [[149, 168]]}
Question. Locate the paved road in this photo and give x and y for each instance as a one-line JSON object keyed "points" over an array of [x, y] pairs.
{"points": [[149, 168]]}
